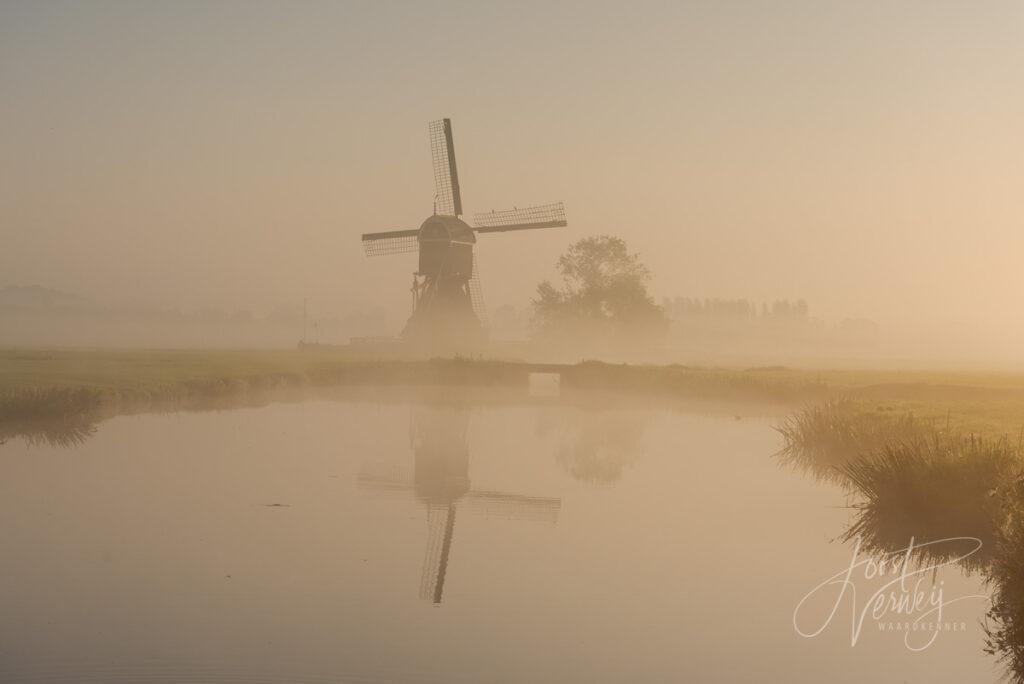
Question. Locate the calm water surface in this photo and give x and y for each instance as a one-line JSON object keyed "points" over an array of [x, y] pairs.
{"points": [[338, 541]]}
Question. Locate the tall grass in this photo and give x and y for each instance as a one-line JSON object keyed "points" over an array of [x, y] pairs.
{"points": [[1004, 624], [912, 479], [51, 403], [909, 479], [929, 489], [822, 439]]}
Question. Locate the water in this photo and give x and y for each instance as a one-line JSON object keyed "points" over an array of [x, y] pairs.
{"points": [[437, 541]]}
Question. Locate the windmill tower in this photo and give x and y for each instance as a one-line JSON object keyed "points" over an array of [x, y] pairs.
{"points": [[440, 480], [447, 302]]}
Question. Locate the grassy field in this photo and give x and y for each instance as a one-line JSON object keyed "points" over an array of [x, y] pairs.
{"points": [[49, 384]]}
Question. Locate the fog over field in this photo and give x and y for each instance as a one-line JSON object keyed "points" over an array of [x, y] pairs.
{"points": [[226, 157], [471, 341]]}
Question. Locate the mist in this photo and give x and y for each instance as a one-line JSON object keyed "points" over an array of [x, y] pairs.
{"points": [[520, 342], [194, 156]]}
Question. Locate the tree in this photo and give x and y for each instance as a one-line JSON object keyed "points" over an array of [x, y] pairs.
{"points": [[603, 293]]}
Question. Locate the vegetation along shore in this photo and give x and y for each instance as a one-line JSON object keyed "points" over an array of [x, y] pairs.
{"points": [[71, 384]]}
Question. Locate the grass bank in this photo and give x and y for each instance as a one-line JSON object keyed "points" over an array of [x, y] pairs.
{"points": [[67, 385]]}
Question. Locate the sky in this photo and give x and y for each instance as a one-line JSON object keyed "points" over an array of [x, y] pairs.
{"points": [[864, 156]]}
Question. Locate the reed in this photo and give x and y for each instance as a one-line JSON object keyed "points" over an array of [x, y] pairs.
{"points": [[821, 439], [929, 489], [50, 403], [1004, 623]]}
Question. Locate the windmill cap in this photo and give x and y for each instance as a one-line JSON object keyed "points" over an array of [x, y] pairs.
{"points": [[446, 229]]}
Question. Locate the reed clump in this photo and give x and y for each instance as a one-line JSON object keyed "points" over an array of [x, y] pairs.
{"points": [[909, 478], [930, 489], [915, 480], [822, 439], [50, 403], [1004, 623]]}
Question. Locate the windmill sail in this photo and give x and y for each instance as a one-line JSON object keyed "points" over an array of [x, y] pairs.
{"points": [[476, 296], [447, 197], [528, 218], [455, 320], [391, 242]]}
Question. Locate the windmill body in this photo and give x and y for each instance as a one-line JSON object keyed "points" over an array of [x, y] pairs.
{"points": [[447, 302], [442, 309]]}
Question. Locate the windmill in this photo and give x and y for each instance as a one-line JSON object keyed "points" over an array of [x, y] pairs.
{"points": [[441, 481], [447, 302]]}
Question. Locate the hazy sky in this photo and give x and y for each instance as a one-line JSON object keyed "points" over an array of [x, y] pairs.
{"points": [[866, 156]]}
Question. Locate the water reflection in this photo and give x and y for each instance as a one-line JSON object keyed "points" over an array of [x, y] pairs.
{"points": [[440, 480], [154, 541], [596, 446], [54, 433]]}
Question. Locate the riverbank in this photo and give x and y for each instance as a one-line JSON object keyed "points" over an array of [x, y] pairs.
{"points": [[70, 385]]}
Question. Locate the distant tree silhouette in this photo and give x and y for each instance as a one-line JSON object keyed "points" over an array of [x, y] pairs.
{"points": [[603, 293]]}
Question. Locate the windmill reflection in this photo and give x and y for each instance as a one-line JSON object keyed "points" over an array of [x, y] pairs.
{"points": [[440, 480]]}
